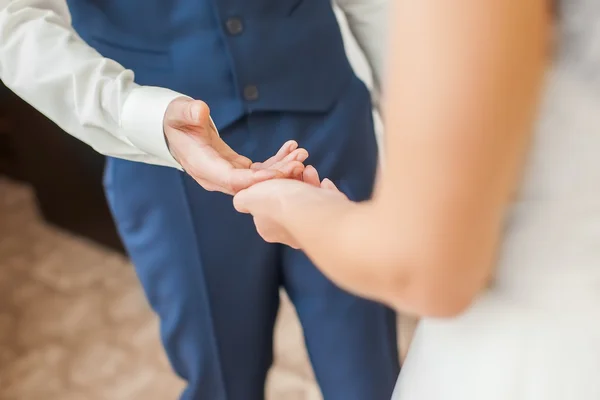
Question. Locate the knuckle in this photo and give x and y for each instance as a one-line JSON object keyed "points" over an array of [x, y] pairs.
{"points": [[234, 185]]}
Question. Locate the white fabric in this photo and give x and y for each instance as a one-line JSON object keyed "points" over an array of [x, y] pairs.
{"points": [[535, 334], [95, 99], [44, 62], [368, 23]]}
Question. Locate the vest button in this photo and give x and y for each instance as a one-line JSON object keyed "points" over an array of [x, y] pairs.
{"points": [[234, 26], [251, 93]]}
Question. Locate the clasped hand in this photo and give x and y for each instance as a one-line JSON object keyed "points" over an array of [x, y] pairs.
{"points": [[263, 189]]}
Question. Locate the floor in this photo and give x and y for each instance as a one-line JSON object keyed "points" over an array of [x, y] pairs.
{"points": [[74, 324]]}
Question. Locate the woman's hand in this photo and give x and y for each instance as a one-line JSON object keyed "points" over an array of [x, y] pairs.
{"points": [[272, 203]]}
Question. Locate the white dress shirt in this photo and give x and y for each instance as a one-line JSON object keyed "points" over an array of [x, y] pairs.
{"points": [[95, 99]]}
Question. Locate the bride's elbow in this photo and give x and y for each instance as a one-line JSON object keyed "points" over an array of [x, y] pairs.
{"points": [[437, 292], [434, 278], [445, 304]]}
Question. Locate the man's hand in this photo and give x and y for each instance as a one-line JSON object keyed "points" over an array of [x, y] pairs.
{"points": [[197, 146]]}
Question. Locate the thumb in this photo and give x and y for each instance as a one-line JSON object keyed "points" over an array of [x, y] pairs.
{"points": [[196, 113], [311, 176], [188, 113], [242, 200], [329, 185]]}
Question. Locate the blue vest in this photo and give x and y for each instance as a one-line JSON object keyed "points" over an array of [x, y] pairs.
{"points": [[238, 56]]}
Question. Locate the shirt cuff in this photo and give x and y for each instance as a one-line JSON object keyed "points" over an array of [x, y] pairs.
{"points": [[142, 121]]}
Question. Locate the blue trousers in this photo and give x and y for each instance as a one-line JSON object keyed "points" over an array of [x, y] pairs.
{"points": [[214, 283]]}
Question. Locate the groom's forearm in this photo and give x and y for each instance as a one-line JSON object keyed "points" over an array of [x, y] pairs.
{"points": [[46, 63]]}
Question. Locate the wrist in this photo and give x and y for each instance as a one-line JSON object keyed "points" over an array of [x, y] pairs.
{"points": [[169, 145], [328, 210], [142, 121]]}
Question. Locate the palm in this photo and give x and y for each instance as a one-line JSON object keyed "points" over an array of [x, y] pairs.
{"points": [[216, 166]]}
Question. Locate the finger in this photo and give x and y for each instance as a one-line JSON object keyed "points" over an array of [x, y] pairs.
{"points": [[254, 200], [297, 172], [296, 157], [290, 170], [211, 167], [287, 148], [240, 179], [311, 176], [188, 113], [242, 201], [329, 185]]}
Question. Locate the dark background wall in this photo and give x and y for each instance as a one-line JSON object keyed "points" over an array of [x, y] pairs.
{"points": [[65, 174]]}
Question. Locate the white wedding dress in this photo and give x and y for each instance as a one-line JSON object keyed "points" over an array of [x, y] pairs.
{"points": [[535, 334]]}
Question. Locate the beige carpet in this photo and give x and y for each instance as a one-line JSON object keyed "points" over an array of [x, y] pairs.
{"points": [[74, 324]]}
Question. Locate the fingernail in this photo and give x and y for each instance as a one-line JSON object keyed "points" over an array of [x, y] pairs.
{"points": [[302, 155], [293, 145]]}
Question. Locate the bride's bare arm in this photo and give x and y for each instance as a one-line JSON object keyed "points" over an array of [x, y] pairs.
{"points": [[463, 88]]}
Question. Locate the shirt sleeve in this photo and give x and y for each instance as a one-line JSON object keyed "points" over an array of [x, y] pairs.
{"points": [[93, 98], [368, 22]]}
